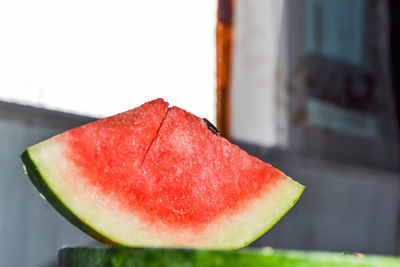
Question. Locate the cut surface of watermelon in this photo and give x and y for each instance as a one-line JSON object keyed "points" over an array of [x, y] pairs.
{"points": [[268, 257], [157, 176]]}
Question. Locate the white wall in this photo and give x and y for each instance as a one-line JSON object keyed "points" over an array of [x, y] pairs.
{"points": [[258, 116], [103, 57]]}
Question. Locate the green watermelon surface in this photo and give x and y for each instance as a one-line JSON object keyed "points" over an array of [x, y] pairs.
{"points": [[157, 176], [267, 257]]}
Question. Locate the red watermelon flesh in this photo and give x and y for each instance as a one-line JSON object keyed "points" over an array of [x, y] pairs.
{"points": [[157, 176], [193, 167]]}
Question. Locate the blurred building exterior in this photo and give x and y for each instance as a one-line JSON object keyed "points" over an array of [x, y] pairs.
{"points": [[31, 230], [313, 94]]}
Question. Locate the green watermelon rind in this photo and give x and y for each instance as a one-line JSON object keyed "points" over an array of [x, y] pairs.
{"points": [[123, 256], [39, 182], [268, 227]]}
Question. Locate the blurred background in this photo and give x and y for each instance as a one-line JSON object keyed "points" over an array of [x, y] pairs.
{"points": [[310, 86]]}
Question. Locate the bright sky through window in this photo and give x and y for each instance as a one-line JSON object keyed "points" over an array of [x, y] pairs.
{"points": [[102, 57]]}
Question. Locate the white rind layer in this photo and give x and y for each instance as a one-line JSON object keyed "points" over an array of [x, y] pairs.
{"points": [[103, 213]]}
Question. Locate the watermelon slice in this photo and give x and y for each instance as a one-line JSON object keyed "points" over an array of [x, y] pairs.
{"points": [[157, 176], [120, 256]]}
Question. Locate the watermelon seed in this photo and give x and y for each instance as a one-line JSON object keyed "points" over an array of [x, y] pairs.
{"points": [[211, 126]]}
